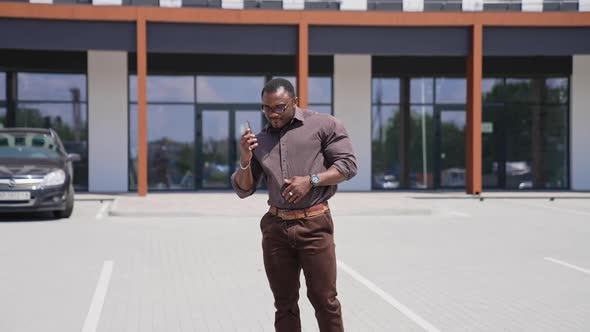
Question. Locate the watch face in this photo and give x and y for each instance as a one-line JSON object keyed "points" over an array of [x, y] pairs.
{"points": [[315, 179]]}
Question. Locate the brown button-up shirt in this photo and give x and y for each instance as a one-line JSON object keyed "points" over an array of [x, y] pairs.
{"points": [[310, 144]]}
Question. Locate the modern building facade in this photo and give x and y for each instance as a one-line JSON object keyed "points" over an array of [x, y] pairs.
{"points": [[472, 95]]}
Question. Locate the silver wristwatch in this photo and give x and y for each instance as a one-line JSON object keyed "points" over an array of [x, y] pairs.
{"points": [[314, 179]]}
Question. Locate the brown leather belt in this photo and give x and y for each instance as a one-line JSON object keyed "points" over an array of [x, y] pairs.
{"points": [[312, 211]]}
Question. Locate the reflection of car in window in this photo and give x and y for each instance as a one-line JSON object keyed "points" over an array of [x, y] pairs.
{"points": [[35, 172], [453, 177]]}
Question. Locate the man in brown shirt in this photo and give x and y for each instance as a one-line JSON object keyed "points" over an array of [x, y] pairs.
{"points": [[302, 156]]}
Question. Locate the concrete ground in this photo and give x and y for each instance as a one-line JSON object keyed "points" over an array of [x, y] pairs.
{"points": [[407, 262]]}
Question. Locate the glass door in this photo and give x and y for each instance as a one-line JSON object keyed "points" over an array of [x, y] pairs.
{"points": [[219, 129], [449, 148]]}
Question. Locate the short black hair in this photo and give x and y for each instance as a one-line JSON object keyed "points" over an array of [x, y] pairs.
{"points": [[275, 84]]}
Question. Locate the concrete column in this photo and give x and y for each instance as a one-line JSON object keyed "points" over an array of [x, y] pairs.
{"points": [[108, 136], [352, 106], [579, 120]]}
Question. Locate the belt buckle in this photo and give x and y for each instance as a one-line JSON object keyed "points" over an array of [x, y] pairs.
{"points": [[282, 214]]}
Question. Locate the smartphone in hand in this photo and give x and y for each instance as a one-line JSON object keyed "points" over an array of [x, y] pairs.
{"points": [[244, 126], [243, 129]]}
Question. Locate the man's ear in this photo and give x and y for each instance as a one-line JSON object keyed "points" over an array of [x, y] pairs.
{"points": [[295, 101]]}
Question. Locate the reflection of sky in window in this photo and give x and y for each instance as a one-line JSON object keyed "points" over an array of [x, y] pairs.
{"points": [[35, 86], [2, 86], [556, 83], [457, 118], [176, 122], [385, 90], [320, 88], [229, 89], [416, 113], [488, 84], [421, 90], [382, 117], [220, 89], [54, 110], [215, 125], [165, 88], [451, 90], [517, 80], [255, 122], [323, 109]]}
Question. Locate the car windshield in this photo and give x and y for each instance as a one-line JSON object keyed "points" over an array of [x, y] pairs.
{"points": [[28, 146]]}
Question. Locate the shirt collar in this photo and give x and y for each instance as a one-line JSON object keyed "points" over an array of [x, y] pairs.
{"points": [[298, 114]]}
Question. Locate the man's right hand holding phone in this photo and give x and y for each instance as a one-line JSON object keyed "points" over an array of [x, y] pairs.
{"points": [[244, 177], [247, 144]]}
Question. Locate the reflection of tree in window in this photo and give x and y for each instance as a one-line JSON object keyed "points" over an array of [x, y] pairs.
{"points": [[171, 164], [533, 113]]}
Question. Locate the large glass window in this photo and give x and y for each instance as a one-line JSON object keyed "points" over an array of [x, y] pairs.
{"points": [[163, 89], [525, 131], [421, 143], [451, 91], [418, 132], [385, 133], [170, 146], [421, 132], [229, 89], [57, 101], [194, 125], [216, 140], [320, 93], [170, 132]]}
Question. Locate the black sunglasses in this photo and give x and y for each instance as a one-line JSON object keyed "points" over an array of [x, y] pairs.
{"points": [[277, 109]]}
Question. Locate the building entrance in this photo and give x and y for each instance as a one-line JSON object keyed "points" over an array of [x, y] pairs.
{"points": [[219, 128]]}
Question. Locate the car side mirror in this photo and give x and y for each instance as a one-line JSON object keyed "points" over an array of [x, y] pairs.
{"points": [[73, 157]]}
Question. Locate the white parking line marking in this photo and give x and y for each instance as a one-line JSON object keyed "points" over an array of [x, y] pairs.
{"points": [[103, 210], [571, 266], [456, 213], [91, 322], [578, 212], [388, 298]]}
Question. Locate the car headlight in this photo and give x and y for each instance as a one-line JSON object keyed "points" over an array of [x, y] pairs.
{"points": [[55, 178]]}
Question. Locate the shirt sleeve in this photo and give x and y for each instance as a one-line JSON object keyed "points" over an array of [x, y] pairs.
{"points": [[337, 148], [256, 174]]}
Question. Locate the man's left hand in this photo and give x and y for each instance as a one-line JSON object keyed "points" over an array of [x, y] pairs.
{"points": [[297, 188]]}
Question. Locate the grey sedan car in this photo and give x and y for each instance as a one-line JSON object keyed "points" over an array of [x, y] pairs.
{"points": [[35, 172]]}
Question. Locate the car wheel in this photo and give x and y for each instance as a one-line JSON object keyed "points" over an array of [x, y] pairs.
{"points": [[69, 206]]}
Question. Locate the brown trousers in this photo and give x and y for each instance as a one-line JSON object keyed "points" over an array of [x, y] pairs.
{"points": [[308, 244]]}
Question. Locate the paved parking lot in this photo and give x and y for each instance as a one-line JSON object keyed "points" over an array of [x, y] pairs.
{"points": [[408, 262]]}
